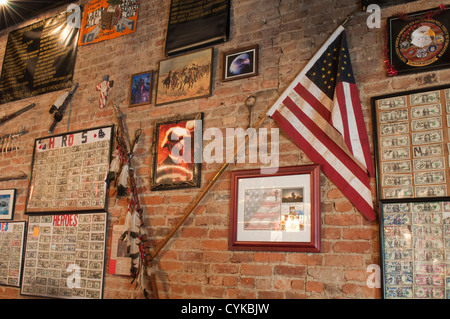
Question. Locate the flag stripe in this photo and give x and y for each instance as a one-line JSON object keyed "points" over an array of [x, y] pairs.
{"points": [[312, 101], [355, 191], [312, 125]]}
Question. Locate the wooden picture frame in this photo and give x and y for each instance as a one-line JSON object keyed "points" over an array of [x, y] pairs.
{"points": [[412, 144], [185, 77], [240, 63], [276, 212], [12, 237], [174, 165], [7, 203], [140, 91], [419, 42], [69, 170]]}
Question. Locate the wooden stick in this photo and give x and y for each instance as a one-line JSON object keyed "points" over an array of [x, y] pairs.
{"points": [[194, 204]]}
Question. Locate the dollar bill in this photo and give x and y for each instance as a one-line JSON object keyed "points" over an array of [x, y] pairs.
{"points": [[427, 218], [447, 94], [395, 154], [394, 116], [425, 178], [431, 255], [431, 191], [427, 207], [398, 192], [427, 164], [428, 230], [394, 141], [393, 129], [429, 292], [433, 150], [429, 280], [398, 280], [428, 243], [396, 208], [397, 180], [430, 268], [418, 112], [427, 137], [399, 292], [398, 254], [397, 219], [427, 124], [399, 267], [425, 98], [392, 103], [396, 167]]}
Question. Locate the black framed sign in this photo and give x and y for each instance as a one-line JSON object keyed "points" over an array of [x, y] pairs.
{"points": [[383, 3], [69, 170], [419, 41]]}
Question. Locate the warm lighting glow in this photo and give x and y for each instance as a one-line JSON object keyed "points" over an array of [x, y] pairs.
{"points": [[3, 2]]}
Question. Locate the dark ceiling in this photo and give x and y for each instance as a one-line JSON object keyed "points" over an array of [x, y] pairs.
{"points": [[17, 11]]}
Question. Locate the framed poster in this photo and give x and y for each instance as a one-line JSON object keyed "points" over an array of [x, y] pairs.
{"points": [[276, 212], [120, 260], [184, 77], [141, 88], [39, 58], [65, 256], [416, 250], [240, 63], [176, 145], [412, 143], [7, 201], [12, 236], [196, 24], [69, 170], [420, 42]]}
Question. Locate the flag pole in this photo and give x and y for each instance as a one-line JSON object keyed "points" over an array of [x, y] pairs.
{"points": [[152, 255]]}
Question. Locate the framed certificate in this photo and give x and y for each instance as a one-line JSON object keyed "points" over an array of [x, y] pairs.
{"points": [[276, 212], [12, 236]]}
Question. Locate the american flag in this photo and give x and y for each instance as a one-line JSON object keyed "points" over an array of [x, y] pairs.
{"points": [[321, 112]]}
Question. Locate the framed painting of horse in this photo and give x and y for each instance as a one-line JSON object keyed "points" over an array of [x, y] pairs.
{"points": [[184, 77]]}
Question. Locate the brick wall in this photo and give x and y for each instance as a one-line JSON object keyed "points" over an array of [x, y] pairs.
{"points": [[196, 263]]}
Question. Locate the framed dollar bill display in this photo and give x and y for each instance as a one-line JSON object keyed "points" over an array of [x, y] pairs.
{"points": [[68, 172], [11, 249], [65, 256], [412, 143], [416, 249]]}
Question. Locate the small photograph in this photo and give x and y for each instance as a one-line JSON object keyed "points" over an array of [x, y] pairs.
{"points": [[141, 88], [7, 199], [241, 63], [292, 195]]}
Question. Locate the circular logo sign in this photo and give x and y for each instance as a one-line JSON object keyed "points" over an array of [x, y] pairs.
{"points": [[422, 43]]}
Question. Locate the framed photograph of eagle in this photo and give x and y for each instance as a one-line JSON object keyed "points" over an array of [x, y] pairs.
{"points": [[240, 63]]}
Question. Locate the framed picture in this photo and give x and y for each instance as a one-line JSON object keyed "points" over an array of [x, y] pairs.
{"points": [[65, 256], [419, 42], [240, 63], [7, 201], [412, 144], [68, 172], [383, 3], [184, 77], [415, 249], [176, 145], [11, 249], [141, 88], [276, 212]]}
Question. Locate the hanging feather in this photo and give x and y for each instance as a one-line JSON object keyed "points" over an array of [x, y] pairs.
{"points": [[123, 182], [126, 227], [114, 168], [134, 242]]}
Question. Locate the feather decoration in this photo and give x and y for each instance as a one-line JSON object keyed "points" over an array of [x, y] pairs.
{"points": [[126, 227], [123, 182], [114, 168]]}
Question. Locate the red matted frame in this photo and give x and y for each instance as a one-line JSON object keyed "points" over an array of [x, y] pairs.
{"points": [[254, 229]]}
